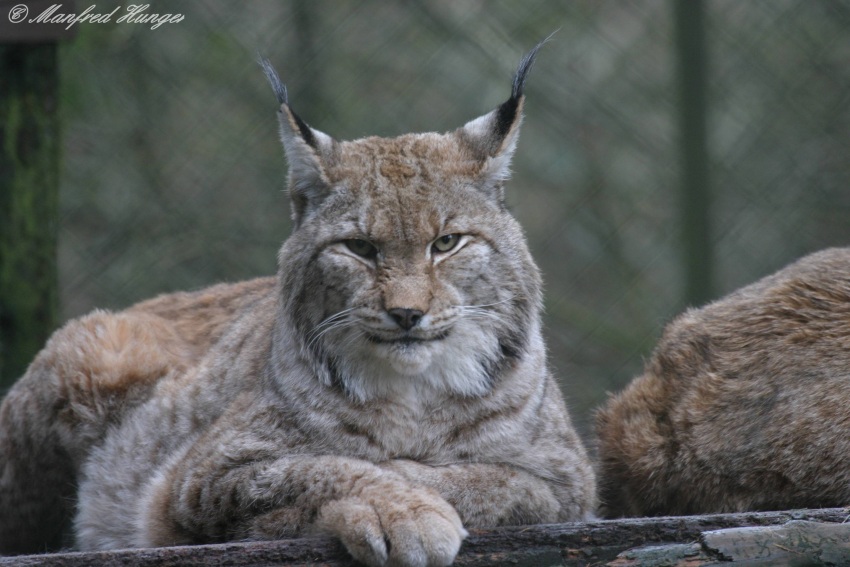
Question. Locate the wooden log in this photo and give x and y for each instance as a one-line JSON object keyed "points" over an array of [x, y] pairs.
{"points": [[816, 536], [795, 543]]}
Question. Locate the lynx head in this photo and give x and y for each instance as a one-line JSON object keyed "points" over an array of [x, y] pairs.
{"points": [[405, 271]]}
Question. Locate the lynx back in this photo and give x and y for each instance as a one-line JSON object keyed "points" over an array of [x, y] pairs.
{"points": [[743, 405]]}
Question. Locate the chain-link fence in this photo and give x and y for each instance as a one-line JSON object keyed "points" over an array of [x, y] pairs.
{"points": [[173, 175]]}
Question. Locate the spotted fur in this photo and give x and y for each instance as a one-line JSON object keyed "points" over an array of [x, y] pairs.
{"points": [[742, 405], [379, 389]]}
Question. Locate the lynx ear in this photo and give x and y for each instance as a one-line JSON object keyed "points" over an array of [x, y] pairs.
{"points": [[307, 151], [492, 138]]}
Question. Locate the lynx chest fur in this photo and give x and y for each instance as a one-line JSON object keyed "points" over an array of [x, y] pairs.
{"points": [[389, 386]]}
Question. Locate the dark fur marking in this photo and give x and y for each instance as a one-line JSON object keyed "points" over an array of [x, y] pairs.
{"points": [[492, 368], [302, 325], [473, 427], [355, 430], [505, 117], [336, 380], [306, 133], [512, 348]]}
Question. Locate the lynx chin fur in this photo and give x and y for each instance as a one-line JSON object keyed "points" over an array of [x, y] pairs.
{"points": [[744, 404], [388, 387]]}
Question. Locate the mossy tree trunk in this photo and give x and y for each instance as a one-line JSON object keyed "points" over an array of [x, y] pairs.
{"points": [[695, 199], [29, 178]]}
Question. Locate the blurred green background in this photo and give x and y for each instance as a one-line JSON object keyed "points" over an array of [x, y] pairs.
{"points": [[172, 175]]}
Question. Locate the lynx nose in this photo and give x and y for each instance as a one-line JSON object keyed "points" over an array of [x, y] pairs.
{"points": [[406, 318]]}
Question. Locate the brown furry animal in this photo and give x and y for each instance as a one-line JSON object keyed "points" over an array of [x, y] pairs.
{"points": [[744, 405], [389, 387]]}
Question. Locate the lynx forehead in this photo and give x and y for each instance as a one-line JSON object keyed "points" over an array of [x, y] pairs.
{"points": [[388, 387]]}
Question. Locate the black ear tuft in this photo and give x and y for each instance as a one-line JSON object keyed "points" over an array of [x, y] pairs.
{"points": [[506, 114], [283, 98], [277, 86], [525, 66]]}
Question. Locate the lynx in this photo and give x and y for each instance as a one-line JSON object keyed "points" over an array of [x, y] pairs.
{"points": [[388, 387], [744, 404]]}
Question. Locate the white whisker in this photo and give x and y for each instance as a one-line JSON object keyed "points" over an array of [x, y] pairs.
{"points": [[497, 317], [334, 317], [336, 321], [337, 325], [488, 304], [480, 311]]}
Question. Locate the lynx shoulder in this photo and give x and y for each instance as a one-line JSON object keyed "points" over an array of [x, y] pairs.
{"points": [[743, 405], [389, 386]]}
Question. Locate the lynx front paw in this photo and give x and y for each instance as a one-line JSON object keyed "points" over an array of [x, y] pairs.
{"points": [[416, 528]]}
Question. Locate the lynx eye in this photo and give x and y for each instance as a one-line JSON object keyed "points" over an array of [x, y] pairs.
{"points": [[446, 243], [361, 247]]}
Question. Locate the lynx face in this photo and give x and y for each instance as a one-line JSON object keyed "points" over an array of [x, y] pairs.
{"points": [[415, 277]]}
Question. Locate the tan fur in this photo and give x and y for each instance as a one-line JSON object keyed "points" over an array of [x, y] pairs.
{"points": [[743, 405], [300, 404]]}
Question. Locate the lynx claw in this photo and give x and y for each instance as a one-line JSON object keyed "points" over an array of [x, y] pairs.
{"points": [[357, 525], [412, 531], [430, 541]]}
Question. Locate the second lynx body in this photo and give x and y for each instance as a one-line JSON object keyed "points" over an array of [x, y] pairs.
{"points": [[744, 405]]}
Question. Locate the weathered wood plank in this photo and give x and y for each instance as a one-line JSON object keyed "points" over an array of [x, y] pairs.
{"points": [[811, 542], [687, 540], [795, 543]]}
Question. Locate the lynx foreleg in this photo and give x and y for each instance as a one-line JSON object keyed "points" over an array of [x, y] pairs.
{"points": [[501, 494], [379, 517]]}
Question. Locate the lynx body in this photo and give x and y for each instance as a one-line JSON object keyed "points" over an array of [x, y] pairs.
{"points": [[744, 404], [388, 387]]}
